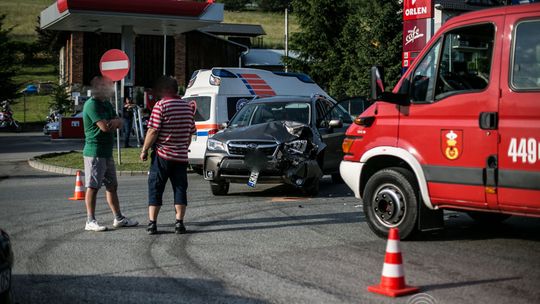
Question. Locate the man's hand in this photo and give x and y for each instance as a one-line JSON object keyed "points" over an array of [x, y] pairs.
{"points": [[116, 123], [144, 155]]}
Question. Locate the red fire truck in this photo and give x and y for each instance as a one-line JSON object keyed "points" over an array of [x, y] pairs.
{"points": [[461, 129]]}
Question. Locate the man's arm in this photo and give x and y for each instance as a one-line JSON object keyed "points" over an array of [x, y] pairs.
{"points": [[149, 140], [109, 125]]}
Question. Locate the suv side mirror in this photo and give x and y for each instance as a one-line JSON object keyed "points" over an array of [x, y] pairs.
{"points": [[335, 123], [224, 125]]}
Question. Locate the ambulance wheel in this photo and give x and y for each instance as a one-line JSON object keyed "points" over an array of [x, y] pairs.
{"points": [[219, 188], [391, 201], [487, 217]]}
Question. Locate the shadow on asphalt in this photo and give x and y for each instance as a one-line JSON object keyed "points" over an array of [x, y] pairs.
{"points": [[61, 289], [465, 283], [276, 222], [327, 189], [464, 228]]}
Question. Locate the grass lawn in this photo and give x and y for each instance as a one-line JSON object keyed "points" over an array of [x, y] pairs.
{"points": [[37, 106], [22, 16], [74, 159], [272, 23]]}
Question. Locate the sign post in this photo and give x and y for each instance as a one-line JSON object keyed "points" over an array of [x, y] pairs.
{"points": [[114, 64]]}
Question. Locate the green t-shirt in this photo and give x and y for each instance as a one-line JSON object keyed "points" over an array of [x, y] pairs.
{"points": [[97, 142]]}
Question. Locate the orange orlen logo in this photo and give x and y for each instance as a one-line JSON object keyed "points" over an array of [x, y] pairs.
{"points": [[452, 143]]}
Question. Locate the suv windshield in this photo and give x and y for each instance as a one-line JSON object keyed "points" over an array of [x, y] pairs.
{"points": [[257, 113]]}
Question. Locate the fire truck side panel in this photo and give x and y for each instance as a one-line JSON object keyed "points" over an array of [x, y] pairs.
{"points": [[519, 115]]}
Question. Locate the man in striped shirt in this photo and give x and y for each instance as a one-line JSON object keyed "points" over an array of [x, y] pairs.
{"points": [[169, 132]]}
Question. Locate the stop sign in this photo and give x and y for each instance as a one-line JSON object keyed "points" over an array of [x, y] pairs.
{"points": [[114, 64]]}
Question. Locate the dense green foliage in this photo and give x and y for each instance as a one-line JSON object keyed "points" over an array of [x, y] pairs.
{"points": [[272, 5], [339, 41], [8, 88]]}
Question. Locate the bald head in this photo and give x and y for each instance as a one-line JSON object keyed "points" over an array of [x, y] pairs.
{"points": [[165, 86]]}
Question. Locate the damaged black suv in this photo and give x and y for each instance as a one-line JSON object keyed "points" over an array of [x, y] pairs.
{"points": [[285, 139]]}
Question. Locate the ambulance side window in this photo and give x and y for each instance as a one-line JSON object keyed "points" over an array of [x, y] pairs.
{"points": [[466, 60], [423, 78], [526, 56]]}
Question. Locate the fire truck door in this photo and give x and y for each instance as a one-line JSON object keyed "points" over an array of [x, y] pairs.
{"points": [[519, 117]]}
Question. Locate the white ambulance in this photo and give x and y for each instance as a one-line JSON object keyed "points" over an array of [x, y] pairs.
{"points": [[220, 92]]}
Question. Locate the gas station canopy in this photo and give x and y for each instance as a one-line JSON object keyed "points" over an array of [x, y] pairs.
{"points": [[156, 17]]}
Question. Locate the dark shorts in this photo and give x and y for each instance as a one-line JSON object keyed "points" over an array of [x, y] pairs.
{"points": [[162, 170]]}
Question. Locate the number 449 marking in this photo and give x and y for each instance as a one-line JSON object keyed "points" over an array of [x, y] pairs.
{"points": [[526, 149]]}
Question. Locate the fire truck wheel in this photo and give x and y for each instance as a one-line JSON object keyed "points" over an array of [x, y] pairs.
{"points": [[391, 201], [219, 188], [488, 218]]}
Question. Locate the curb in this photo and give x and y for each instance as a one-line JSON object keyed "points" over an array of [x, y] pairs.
{"points": [[34, 163]]}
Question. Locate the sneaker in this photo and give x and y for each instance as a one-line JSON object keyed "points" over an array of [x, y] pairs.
{"points": [[94, 226], [152, 228], [125, 222], [179, 228]]}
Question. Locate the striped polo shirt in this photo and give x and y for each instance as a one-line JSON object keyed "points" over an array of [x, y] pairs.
{"points": [[173, 119]]}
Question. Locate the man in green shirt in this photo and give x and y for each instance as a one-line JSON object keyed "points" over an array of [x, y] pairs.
{"points": [[100, 122]]}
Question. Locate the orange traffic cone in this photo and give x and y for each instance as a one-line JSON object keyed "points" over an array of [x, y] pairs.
{"points": [[393, 277], [79, 189]]}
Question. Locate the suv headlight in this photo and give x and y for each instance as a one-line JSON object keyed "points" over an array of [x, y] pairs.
{"points": [[215, 145]]}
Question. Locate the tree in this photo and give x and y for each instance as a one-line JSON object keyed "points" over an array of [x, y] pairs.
{"points": [[370, 38], [340, 40], [8, 88], [61, 101], [273, 5], [321, 23], [49, 42]]}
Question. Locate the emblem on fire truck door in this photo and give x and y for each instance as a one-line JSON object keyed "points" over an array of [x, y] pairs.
{"points": [[452, 143]]}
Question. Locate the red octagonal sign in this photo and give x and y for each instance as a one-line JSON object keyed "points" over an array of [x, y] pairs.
{"points": [[114, 64]]}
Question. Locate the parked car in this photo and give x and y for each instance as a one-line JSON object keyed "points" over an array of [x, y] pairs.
{"points": [[280, 139], [220, 92], [6, 264]]}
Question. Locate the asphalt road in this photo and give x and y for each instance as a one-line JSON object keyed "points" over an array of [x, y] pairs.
{"points": [[252, 246]]}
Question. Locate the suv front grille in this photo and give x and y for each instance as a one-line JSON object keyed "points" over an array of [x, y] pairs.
{"points": [[240, 148]]}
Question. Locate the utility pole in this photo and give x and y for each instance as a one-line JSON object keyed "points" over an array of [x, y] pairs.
{"points": [[286, 37]]}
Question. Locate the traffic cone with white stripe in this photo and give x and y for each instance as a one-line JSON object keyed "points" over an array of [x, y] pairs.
{"points": [[393, 278], [79, 189]]}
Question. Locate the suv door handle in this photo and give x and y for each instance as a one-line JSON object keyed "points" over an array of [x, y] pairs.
{"points": [[489, 120]]}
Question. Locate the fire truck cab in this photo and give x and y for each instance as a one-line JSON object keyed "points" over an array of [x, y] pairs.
{"points": [[461, 129]]}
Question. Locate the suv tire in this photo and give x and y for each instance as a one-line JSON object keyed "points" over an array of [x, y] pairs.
{"points": [[391, 201], [219, 188], [312, 188]]}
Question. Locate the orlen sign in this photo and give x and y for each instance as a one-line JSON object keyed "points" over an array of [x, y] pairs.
{"points": [[417, 9]]}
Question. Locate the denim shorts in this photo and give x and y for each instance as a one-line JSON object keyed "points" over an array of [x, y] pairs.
{"points": [[161, 170], [98, 171]]}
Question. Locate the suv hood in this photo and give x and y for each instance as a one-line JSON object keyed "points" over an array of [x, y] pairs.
{"points": [[278, 131]]}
